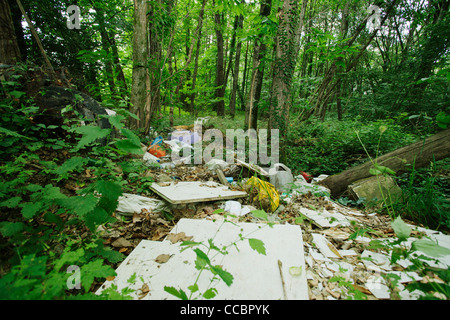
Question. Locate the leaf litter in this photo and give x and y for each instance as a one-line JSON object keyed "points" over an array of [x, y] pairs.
{"points": [[342, 276]]}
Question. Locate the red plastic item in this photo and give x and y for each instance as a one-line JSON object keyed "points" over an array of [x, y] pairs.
{"points": [[307, 176], [157, 151]]}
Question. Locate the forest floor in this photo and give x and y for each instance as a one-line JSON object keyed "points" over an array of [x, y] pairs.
{"points": [[354, 268]]}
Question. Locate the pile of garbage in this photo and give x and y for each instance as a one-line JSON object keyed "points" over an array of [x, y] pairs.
{"points": [[341, 258]]}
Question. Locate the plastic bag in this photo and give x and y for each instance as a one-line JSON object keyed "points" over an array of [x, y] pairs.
{"points": [[265, 190], [281, 176]]}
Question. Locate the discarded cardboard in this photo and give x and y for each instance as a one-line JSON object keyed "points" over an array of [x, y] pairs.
{"points": [[255, 276], [195, 191]]}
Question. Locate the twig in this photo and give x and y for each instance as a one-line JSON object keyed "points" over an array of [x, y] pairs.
{"points": [[280, 265], [38, 41]]}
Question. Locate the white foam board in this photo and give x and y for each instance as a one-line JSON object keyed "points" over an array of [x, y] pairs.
{"points": [[195, 191], [256, 276]]}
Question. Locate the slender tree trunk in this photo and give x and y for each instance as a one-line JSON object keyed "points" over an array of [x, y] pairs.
{"points": [[123, 88], [197, 53], [259, 51], [220, 72], [236, 72]]}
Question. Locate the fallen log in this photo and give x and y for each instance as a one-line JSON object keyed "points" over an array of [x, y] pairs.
{"points": [[417, 155]]}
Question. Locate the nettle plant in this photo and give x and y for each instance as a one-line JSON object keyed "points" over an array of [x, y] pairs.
{"points": [[43, 230]]}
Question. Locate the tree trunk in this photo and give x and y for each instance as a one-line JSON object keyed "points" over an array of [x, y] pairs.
{"points": [[236, 71], [9, 48], [283, 68], [220, 70], [140, 54], [194, 76], [259, 51], [416, 155]]}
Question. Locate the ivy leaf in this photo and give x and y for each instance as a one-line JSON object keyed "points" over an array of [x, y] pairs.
{"points": [[257, 245]]}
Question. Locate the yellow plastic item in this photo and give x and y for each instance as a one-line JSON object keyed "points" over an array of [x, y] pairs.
{"points": [[265, 190]]}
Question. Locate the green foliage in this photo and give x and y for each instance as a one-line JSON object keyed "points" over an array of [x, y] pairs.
{"points": [[425, 196], [331, 146], [41, 221]]}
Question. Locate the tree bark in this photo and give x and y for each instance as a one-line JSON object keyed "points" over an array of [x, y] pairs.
{"points": [[259, 51], [9, 48], [283, 67], [220, 69], [416, 155], [236, 72], [140, 76]]}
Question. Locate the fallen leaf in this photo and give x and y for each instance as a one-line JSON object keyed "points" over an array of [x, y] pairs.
{"points": [[162, 258], [295, 271], [175, 237], [144, 291], [121, 242], [334, 250], [362, 289], [122, 250], [111, 278], [138, 217], [145, 288]]}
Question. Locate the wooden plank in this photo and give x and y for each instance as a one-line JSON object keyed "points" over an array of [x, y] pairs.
{"points": [[195, 191]]}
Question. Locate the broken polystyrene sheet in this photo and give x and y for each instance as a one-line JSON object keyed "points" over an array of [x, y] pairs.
{"points": [[133, 203], [406, 276], [375, 260], [324, 219], [250, 281], [377, 285], [195, 191], [233, 207], [325, 246]]}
